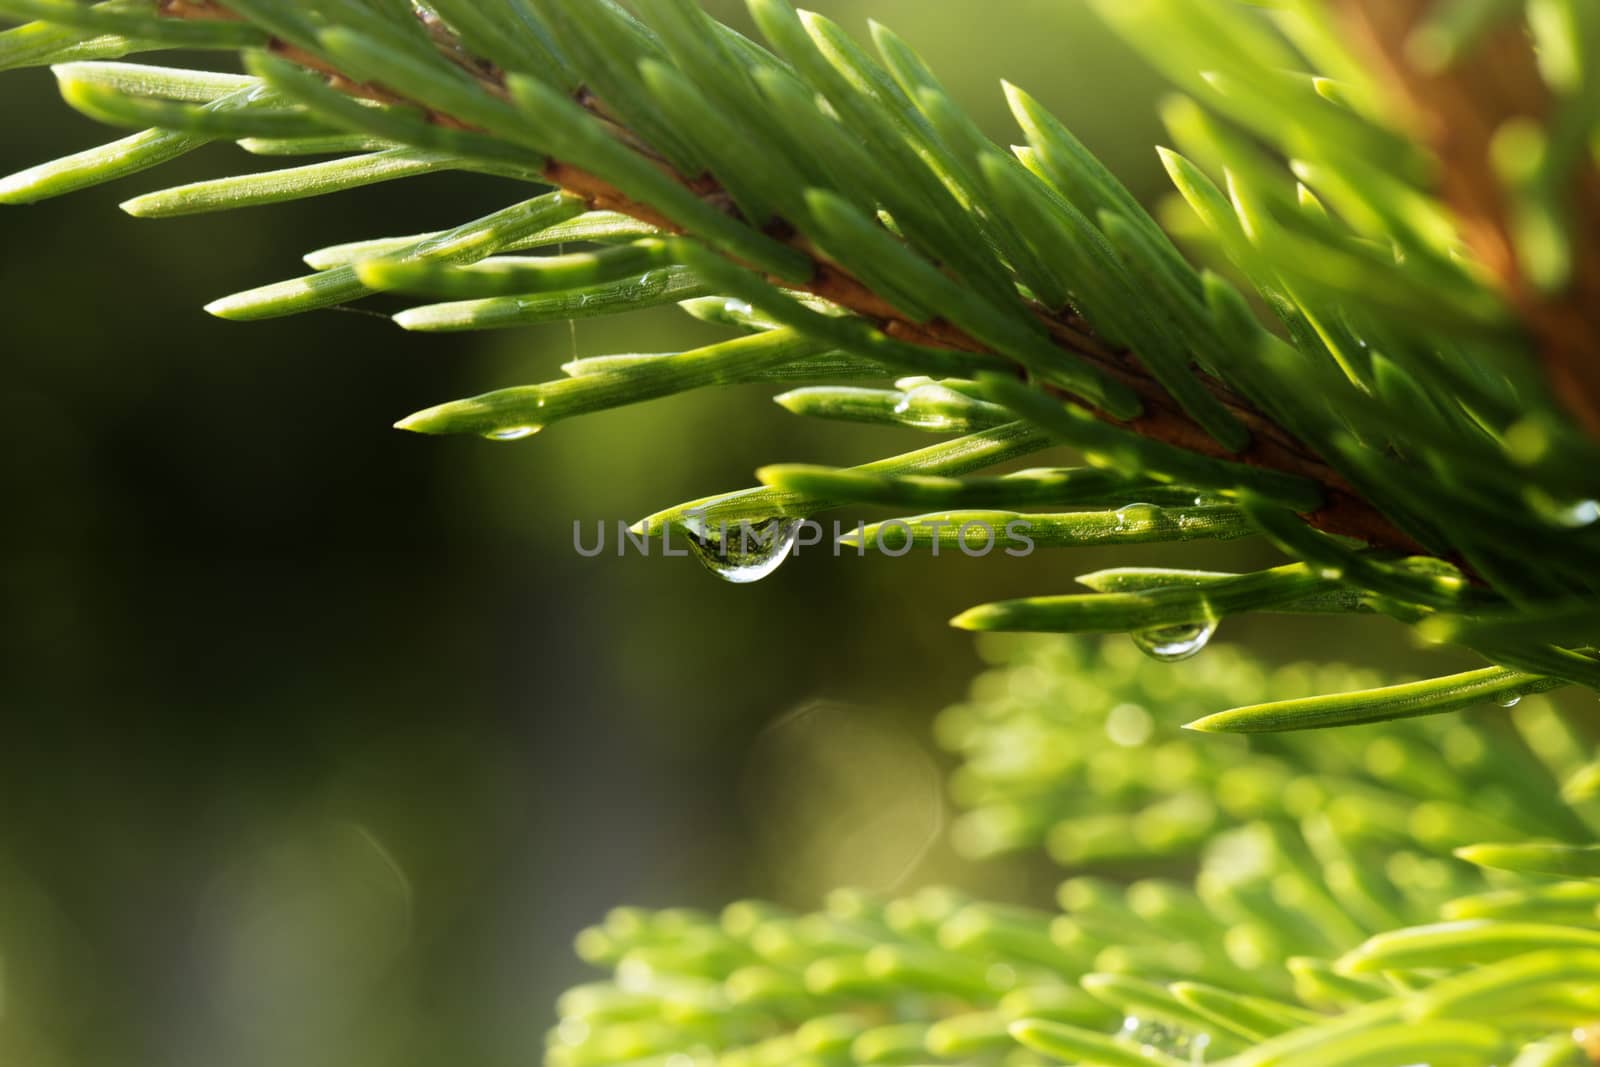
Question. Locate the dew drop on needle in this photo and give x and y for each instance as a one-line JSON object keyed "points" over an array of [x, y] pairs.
{"points": [[743, 552], [1170, 644]]}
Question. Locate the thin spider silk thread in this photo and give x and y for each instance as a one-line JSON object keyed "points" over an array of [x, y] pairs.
{"points": [[572, 324]]}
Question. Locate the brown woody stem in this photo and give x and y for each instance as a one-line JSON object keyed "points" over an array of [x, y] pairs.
{"points": [[1458, 112]]}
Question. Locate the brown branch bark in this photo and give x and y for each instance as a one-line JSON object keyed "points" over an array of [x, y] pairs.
{"points": [[1458, 112], [1345, 511]]}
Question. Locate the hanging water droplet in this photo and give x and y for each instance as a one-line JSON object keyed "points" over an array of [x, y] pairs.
{"points": [[1510, 701], [513, 433], [1153, 1036], [738, 308], [1169, 644], [743, 552], [904, 405]]}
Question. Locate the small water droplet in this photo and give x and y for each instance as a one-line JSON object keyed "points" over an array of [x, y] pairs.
{"points": [[1169, 644], [1510, 701], [1153, 1036], [1573, 514], [738, 308], [429, 246], [1137, 515], [743, 552], [513, 433], [930, 405], [1584, 513]]}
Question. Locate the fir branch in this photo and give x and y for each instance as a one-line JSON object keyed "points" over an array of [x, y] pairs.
{"points": [[1344, 511], [1398, 405]]}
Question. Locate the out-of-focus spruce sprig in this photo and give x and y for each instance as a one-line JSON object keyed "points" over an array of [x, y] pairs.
{"points": [[1301, 903], [1408, 188]]}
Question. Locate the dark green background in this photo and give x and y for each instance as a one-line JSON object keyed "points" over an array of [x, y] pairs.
{"points": [[319, 740]]}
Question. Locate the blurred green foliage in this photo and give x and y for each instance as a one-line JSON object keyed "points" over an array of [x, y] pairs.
{"points": [[1305, 898]]}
